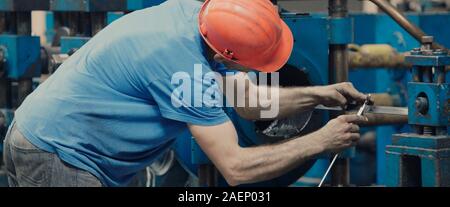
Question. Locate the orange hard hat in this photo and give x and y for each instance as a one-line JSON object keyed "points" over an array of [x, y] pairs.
{"points": [[247, 32]]}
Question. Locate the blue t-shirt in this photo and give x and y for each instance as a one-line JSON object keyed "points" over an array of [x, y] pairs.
{"points": [[108, 108]]}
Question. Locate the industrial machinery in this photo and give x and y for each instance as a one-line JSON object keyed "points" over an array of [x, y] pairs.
{"points": [[19, 55], [373, 51], [22, 57], [19, 59], [317, 34], [422, 158], [75, 22]]}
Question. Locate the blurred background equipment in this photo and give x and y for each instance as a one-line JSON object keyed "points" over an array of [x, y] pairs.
{"points": [[395, 50]]}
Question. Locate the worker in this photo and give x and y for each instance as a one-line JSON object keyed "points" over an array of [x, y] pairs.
{"points": [[108, 111]]}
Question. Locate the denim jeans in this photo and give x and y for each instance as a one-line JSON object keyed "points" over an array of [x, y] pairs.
{"points": [[28, 166]]}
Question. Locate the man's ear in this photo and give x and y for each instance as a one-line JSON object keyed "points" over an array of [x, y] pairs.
{"points": [[218, 58]]}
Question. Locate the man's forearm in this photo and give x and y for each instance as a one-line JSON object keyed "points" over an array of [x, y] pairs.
{"points": [[297, 99], [266, 162], [290, 100]]}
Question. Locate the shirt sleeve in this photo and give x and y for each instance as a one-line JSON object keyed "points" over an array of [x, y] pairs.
{"points": [[181, 102]]}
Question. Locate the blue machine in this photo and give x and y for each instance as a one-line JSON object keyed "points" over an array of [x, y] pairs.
{"points": [[21, 50], [381, 29], [101, 13], [101, 5], [19, 55], [22, 55], [312, 37], [313, 34], [423, 158], [70, 43], [19, 58], [310, 55]]}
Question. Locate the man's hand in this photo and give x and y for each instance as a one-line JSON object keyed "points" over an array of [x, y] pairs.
{"points": [[338, 94], [340, 133], [253, 164]]}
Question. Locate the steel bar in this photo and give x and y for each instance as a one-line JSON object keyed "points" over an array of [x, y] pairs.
{"points": [[376, 56], [5, 93], [412, 29], [25, 86], [383, 119], [338, 72], [207, 175], [389, 110], [378, 115], [385, 99]]}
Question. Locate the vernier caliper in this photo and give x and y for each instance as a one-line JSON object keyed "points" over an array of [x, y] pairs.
{"points": [[363, 109]]}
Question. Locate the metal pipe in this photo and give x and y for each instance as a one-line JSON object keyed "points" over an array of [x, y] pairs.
{"points": [[207, 175], [385, 99], [98, 22], [338, 72], [338, 53], [5, 93], [383, 119], [376, 56], [440, 75], [370, 56], [23, 23], [412, 29], [25, 86], [341, 173], [338, 63]]}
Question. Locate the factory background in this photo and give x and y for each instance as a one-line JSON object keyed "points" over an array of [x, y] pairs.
{"points": [[379, 54]]}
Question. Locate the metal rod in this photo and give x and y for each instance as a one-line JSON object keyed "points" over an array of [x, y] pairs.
{"points": [[440, 75], [383, 119], [338, 57], [328, 170], [412, 29], [338, 72], [23, 23], [338, 63], [5, 93], [207, 175], [341, 173], [202, 175], [25, 87], [385, 99], [376, 56], [98, 22]]}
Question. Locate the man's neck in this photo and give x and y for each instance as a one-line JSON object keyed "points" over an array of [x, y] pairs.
{"points": [[209, 53]]}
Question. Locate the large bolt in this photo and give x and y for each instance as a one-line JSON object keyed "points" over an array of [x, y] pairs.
{"points": [[427, 39], [427, 42], [421, 104]]}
